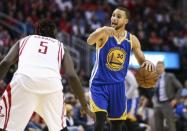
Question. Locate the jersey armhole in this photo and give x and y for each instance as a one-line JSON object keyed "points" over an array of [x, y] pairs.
{"points": [[21, 41], [104, 42]]}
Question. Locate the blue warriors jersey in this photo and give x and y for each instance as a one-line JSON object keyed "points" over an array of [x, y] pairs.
{"points": [[112, 61]]}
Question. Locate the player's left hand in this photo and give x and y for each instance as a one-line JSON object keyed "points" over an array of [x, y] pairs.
{"points": [[87, 111], [148, 65]]}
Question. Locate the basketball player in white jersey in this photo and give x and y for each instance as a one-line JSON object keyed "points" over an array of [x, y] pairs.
{"points": [[36, 85]]}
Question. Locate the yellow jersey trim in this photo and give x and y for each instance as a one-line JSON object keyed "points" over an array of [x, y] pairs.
{"points": [[131, 117], [123, 117], [119, 41], [95, 108]]}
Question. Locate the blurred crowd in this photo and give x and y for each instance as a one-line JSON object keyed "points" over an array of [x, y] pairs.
{"points": [[159, 24]]}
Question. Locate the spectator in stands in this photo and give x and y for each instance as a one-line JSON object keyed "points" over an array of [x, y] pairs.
{"points": [[29, 26], [35, 124], [81, 118], [70, 99], [181, 112], [144, 115], [70, 120]]}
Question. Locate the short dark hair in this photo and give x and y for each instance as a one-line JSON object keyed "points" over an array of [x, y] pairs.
{"points": [[127, 12], [46, 28]]}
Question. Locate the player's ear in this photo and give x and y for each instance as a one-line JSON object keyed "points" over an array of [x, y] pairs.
{"points": [[126, 21]]}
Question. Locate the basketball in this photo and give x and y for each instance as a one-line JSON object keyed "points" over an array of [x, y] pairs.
{"points": [[146, 79]]}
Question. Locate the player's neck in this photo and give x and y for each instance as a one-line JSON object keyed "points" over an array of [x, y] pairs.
{"points": [[120, 32]]}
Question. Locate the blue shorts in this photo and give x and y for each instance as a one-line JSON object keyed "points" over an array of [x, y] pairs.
{"points": [[110, 99], [132, 106]]}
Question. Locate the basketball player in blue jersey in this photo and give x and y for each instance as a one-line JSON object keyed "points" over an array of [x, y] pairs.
{"points": [[113, 47]]}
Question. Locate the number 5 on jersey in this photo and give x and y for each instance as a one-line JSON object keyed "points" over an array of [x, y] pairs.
{"points": [[43, 47]]}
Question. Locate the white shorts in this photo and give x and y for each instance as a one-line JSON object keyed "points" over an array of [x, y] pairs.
{"points": [[18, 104]]}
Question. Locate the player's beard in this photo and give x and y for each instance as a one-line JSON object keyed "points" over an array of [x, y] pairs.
{"points": [[117, 27], [114, 26]]}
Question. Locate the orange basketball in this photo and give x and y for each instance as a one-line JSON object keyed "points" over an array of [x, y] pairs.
{"points": [[146, 79]]}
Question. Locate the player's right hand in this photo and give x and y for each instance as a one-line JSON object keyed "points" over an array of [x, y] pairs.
{"points": [[110, 31]]}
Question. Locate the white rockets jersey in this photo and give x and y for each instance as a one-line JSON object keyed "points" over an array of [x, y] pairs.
{"points": [[40, 56]]}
